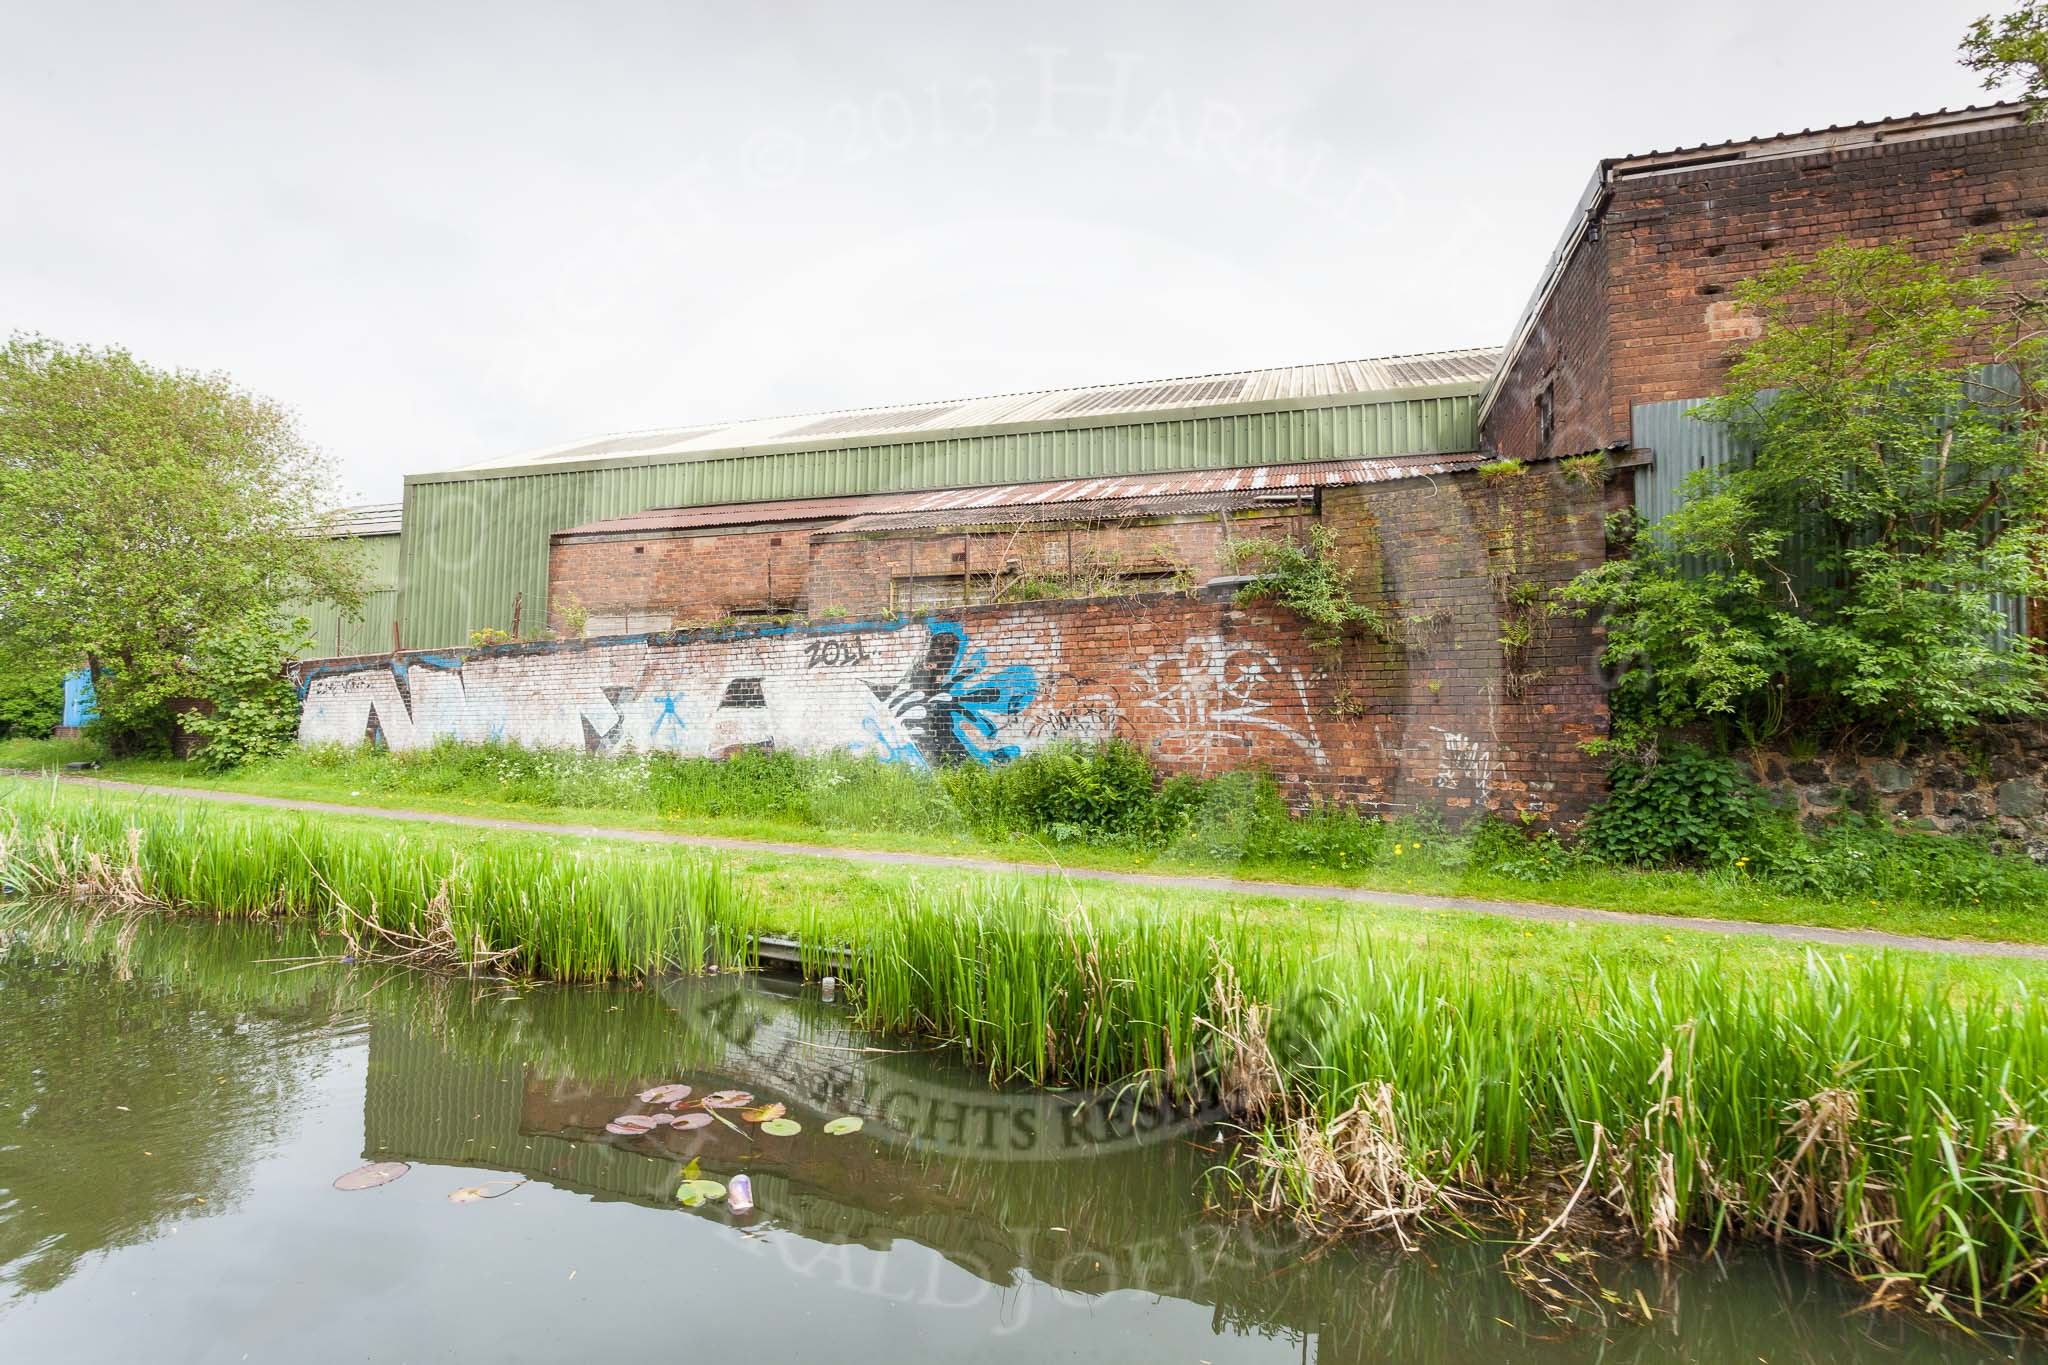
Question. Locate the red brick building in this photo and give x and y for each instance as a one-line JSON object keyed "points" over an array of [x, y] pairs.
{"points": [[1634, 307]]}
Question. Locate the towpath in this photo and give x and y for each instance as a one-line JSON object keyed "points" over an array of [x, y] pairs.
{"points": [[1872, 939]]}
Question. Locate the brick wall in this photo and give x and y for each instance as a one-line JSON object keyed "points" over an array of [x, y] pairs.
{"points": [[1446, 718], [678, 578], [857, 572], [1490, 697], [1565, 361], [1652, 295]]}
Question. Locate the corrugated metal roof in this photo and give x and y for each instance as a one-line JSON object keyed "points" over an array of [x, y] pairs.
{"points": [[737, 514], [1896, 128], [1295, 385], [1124, 495], [370, 519]]}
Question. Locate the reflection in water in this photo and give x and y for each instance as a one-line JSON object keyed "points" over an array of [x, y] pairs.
{"points": [[124, 1104], [997, 1212]]}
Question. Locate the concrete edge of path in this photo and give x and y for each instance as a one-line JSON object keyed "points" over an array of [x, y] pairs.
{"points": [[1872, 939]]}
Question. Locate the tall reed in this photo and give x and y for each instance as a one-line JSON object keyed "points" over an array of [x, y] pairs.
{"points": [[579, 915]]}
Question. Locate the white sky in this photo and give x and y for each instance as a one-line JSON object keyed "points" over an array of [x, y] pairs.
{"points": [[453, 235]]}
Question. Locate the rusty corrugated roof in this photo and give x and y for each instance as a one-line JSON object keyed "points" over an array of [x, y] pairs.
{"points": [[1092, 510], [736, 514], [1119, 495]]}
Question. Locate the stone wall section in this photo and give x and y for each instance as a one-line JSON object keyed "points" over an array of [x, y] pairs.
{"points": [[1990, 784]]}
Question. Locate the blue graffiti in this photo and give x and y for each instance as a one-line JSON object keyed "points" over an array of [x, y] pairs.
{"points": [[965, 697], [668, 714], [878, 744]]}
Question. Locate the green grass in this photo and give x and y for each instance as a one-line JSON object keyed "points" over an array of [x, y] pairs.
{"points": [[39, 754], [1877, 1110], [1906, 883]]}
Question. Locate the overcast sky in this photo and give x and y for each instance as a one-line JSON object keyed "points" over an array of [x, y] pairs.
{"points": [[445, 235]]}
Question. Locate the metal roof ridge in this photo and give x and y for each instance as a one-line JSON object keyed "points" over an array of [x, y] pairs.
{"points": [[684, 432], [1967, 112]]}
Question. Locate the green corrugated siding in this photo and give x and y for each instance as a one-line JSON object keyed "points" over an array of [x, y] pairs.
{"points": [[1680, 445], [472, 544], [367, 631]]}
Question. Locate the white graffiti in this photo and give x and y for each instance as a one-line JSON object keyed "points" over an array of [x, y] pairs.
{"points": [[1467, 762], [1216, 694]]}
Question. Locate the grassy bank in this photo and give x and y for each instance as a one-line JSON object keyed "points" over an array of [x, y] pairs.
{"points": [[38, 754], [1104, 811], [1877, 1112]]}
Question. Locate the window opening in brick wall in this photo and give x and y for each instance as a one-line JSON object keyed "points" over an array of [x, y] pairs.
{"points": [[926, 592]]}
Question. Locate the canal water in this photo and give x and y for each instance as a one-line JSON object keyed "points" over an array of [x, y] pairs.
{"points": [[175, 1110]]}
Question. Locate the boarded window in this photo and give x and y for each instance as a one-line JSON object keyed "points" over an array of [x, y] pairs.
{"points": [[927, 592]]}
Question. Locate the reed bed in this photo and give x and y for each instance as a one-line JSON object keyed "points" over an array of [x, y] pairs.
{"points": [[399, 895], [1858, 1111]]}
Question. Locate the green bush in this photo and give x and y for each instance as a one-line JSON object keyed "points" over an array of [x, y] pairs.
{"points": [[853, 792], [1691, 808], [1241, 818], [31, 700], [251, 709], [1069, 793], [1861, 857]]}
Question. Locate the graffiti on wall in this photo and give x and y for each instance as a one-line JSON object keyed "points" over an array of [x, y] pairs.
{"points": [[1076, 709], [920, 693], [1467, 762], [903, 695], [1216, 696]]}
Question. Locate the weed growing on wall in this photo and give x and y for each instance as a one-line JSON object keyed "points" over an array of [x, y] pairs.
{"points": [[1310, 580], [1690, 808]]}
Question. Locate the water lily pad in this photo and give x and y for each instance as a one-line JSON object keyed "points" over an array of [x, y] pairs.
{"points": [[727, 1099], [371, 1176], [782, 1127], [631, 1125], [691, 1193], [686, 1122], [761, 1113], [841, 1127], [661, 1120], [490, 1189], [665, 1094]]}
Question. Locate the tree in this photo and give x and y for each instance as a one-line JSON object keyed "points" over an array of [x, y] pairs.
{"points": [[1847, 574], [31, 699], [144, 510], [2012, 47]]}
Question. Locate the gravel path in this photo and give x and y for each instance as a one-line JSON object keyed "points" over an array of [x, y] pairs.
{"points": [[1522, 910]]}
